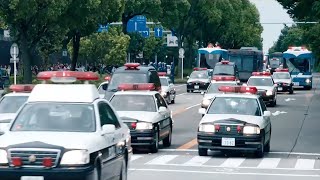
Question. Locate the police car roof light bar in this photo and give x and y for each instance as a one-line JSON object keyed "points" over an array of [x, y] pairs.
{"points": [[282, 70], [239, 89], [224, 78], [132, 65], [199, 69], [261, 74], [225, 62], [21, 87], [136, 86], [162, 73], [67, 76]]}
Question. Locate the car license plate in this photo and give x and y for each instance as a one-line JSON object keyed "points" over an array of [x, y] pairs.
{"points": [[32, 178], [296, 83], [280, 89], [196, 86], [228, 142]]}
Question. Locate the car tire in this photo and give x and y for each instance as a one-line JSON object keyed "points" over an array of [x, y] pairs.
{"points": [[168, 98], [167, 141], [260, 152], [155, 146], [173, 101], [203, 152], [124, 171], [291, 91], [188, 91]]}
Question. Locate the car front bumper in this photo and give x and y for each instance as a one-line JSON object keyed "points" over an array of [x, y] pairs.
{"points": [[268, 99], [242, 143], [67, 173], [282, 88], [197, 86], [142, 137]]}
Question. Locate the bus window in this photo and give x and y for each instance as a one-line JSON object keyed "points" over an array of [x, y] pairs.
{"points": [[237, 61], [247, 63]]}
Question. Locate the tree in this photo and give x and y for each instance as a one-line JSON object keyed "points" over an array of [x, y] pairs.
{"points": [[136, 44], [152, 47], [29, 22], [83, 17]]}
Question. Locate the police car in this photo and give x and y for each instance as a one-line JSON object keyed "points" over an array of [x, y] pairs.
{"points": [[65, 131], [168, 92], [199, 79], [267, 89], [238, 122], [225, 69], [213, 89], [283, 80], [11, 102], [146, 113]]}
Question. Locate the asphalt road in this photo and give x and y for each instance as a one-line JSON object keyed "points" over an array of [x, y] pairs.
{"points": [[295, 145]]}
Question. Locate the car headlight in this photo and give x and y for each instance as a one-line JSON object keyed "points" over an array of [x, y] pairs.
{"points": [[75, 157], [144, 125], [308, 81], [163, 94], [269, 93], [251, 130], [205, 103], [207, 128], [3, 157]]}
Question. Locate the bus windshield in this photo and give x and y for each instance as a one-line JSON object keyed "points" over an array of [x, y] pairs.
{"points": [[299, 65], [247, 63]]}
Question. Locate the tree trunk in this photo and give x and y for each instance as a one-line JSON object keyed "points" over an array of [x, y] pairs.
{"points": [[75, 52], [26, 57], [124, 21]]}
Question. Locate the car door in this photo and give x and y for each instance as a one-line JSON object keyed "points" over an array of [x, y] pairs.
{"points": [[171, 87], [112, 159], [165, 122], [266, 120]]}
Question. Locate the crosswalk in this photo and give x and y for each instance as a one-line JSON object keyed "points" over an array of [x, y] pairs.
{"points": [[225, 162]]}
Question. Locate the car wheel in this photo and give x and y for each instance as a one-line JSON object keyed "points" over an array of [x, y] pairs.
{"points": [[291, 91], [167, 141], [260, 152], [191, 91], [155, 145], [203, 152], [124, 171], [168, 98], [188, 91]]}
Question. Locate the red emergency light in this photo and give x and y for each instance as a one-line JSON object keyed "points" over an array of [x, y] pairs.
{"points": [[107, 78], [224, 78], [225, 62], [21, 87], [47, 162], [282, 70], [16, 161], [67, 76], [239, 89], [261, 74], [200, 69], [132, 65], [137, 86], [162, 73]]}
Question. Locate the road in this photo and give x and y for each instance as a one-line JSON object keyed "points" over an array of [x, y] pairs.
{"points": [[295, 145]]}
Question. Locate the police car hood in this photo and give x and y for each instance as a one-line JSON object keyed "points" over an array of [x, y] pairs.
{"points": [[210, 96], [198, 80], [68, 140], [265, 88], [232, 119], [137, 115], [282, 81], [6, 116], [165, 88]]}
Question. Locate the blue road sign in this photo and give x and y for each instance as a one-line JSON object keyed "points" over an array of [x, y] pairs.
{"points": [[158, 32], [137, 23], [145, 33], [103, 28]]}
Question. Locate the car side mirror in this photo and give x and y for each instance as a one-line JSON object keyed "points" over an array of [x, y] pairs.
{"points": [[188, 77], [202, 111], [266, 113], [162, 109], [108, 129]]}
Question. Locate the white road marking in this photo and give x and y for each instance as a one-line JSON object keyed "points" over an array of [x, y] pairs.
{"points": [[305, 164], [135, 157], [193, 106], [197, 161], [268, 163], [227, 173], [181, 94], [290, 99], [278, 113], [161, 160], [179, 85], [233, 162]]}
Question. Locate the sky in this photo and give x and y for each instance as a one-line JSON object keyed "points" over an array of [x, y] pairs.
{"points": [[271, 12]]}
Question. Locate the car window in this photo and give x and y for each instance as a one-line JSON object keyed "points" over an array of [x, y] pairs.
{"points": [[214, 87], [11, 104], [127, 77], [154, 78], [133, 103], [199, 75], [107, 116], [263, 105], [281, 76], [160, 101], [224, 70], [260, 82]]}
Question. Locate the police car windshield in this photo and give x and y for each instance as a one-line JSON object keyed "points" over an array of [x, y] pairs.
{"points": [[235, 105], [133, 103], [223, 70], [11, 104], [260, 82], [57, 117], [281, 76], [214, 87], [199, 75], [164, 82], [274, 63], [119, 78]]}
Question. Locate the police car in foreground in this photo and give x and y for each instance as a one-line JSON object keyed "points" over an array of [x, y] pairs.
{"points": [[11, 102], [238, 122], [213, 88], [65, 131], [146, 114], [267, 89], [283, 80], [168, 92], [199, 79]]}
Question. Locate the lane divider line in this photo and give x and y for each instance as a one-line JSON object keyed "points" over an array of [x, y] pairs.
{"points": [[193, 106], [189, 144]]}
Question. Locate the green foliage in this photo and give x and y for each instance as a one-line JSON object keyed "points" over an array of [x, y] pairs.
{"points": [[136, 44], [152, 46], [106, 47]]}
